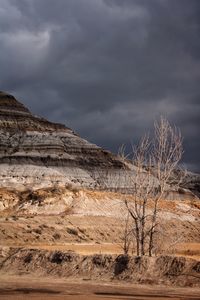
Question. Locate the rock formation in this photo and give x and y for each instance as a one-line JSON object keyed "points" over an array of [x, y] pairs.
{"points": [[37, 153]]}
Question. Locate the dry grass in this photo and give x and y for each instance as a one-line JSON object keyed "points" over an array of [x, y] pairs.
{"points": [[83, 248], [188, 249]]}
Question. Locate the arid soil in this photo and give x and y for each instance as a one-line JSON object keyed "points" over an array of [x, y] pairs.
{"points": [[23, 288], [75, 252]]}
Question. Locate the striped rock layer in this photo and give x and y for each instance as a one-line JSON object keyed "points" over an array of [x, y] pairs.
{"points": [[37, 153]]}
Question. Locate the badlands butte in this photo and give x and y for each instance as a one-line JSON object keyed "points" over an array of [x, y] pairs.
{"points": [[62, 208]]}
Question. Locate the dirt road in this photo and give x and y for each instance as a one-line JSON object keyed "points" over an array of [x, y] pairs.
{"points": [[25, 287]]}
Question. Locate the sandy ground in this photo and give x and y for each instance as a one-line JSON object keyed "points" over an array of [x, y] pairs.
{"points": [[23, 288]]}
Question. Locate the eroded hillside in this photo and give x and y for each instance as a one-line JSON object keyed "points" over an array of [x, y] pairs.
{"points": [[59, 217]]}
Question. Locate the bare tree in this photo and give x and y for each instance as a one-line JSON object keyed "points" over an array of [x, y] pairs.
{"points": [[155, 160], [127, 238]]}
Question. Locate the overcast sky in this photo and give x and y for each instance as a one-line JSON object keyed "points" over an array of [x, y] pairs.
{"points": [[106, 68]]}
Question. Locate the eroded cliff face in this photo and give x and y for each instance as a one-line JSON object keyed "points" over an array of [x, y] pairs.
{"points": [[37, 153]]}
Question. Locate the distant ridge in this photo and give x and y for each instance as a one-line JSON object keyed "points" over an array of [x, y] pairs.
{"points": [[14, 114]]}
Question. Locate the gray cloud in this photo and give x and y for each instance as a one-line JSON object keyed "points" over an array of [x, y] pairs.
{"points": [[105, 68]]}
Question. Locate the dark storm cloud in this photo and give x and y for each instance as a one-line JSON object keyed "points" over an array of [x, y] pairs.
{"points": [[105, 68]]}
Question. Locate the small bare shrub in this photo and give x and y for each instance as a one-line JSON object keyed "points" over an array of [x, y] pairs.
{"points": [[71, 230]]}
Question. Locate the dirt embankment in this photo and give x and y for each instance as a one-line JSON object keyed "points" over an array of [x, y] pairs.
{"points": [[169, 270]]}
